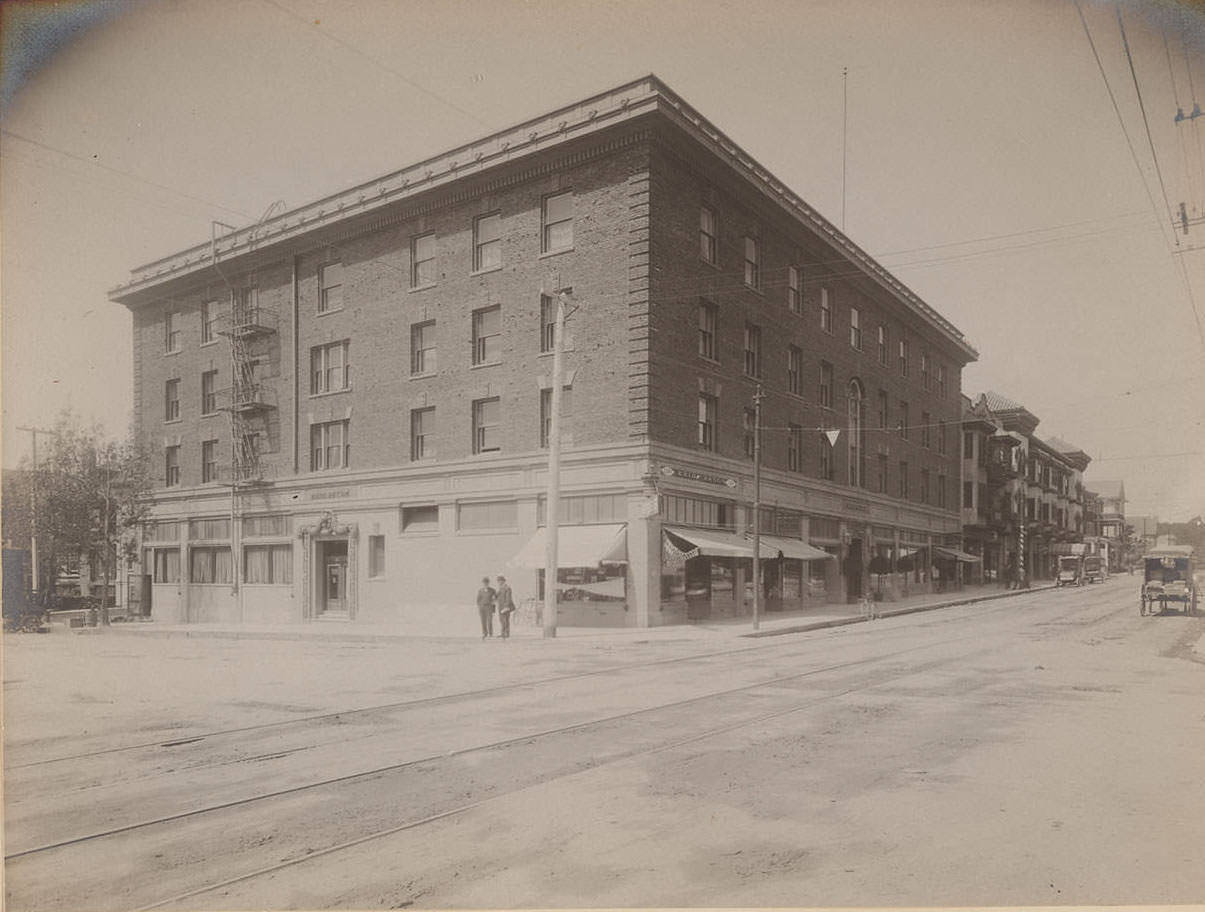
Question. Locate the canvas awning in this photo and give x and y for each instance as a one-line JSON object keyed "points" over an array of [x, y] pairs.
{"points": [[716, 543], [793, 548], [955, 554], [577, 546], [1069, 548]]}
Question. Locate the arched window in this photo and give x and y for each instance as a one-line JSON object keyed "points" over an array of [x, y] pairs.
{"points": [[857, 433]]}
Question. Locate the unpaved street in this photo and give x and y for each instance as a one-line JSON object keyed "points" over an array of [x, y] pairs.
{"points": [[1042, 749]]}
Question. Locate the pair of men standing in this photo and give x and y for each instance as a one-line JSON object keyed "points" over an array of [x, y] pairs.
{"points": [[489, 598]]}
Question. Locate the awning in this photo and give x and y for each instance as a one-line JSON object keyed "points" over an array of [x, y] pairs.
{"points": [[715, 543], [955, 554], [1069, 548], [793, 548], [577, 546], [729, 544]]}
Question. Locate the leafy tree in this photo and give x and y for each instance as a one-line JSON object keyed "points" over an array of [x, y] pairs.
{"points": [[85, 496]]}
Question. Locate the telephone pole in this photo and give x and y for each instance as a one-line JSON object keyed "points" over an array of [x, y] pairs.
{"points": [[33, 510], [552, 505], [757, 588]]}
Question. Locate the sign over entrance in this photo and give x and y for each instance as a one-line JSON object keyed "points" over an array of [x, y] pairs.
{"points": [[670, 471]]}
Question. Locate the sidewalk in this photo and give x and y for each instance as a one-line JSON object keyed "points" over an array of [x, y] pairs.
{"points": [[465, 626]]}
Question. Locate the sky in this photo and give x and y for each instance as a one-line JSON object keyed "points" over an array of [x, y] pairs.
{"points": [[1007, 160]]}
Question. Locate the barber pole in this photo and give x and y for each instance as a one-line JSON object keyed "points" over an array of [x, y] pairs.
{"points": [[1020, 553]]}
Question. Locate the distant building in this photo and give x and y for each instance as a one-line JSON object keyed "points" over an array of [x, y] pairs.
{"points": [[350, 401], [1022, 497], [1112, 496]]}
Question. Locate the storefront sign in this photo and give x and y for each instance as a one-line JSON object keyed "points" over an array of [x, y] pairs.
{"points": [[339, 494], [856, 506], [670, 471]]}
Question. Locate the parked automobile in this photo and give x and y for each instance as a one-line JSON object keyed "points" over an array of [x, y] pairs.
{"points": [[1094, 569], [1071, 571]]}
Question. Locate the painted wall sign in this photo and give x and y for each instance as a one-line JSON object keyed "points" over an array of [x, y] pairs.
{"points": [[670, 471]]}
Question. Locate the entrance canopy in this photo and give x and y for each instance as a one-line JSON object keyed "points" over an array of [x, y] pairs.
{"points": [[577, 546], [955, 554], [715, 543]]}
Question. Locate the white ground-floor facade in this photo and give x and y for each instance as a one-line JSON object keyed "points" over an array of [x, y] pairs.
{"points": [[647, 536]]}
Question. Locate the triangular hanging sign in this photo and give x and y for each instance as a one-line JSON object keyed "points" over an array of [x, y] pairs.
{"points": [[832, 437]]}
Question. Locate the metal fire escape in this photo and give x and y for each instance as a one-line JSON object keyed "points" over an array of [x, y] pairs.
{"points": [[247, 405]]}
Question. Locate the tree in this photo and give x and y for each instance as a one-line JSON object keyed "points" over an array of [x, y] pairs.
{"points": [[84, 497]]}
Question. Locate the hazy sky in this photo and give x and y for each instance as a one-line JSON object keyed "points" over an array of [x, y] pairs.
{"points": [[985, 165]]}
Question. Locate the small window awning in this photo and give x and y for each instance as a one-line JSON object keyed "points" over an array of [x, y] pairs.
{"points": [[577, 546], [955, 554], [793, 548]]}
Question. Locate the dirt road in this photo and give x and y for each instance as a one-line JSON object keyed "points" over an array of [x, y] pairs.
{"points": [[1045, 749]]}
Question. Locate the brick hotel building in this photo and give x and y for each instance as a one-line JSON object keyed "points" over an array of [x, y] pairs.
{"points": [[349, 402]]}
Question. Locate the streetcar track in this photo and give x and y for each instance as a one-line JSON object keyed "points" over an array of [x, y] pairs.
{"points": [[424, 702], [494, 745]]}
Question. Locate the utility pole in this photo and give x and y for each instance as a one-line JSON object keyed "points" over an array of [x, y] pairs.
{"points": [[757, 398], [104, 597], [552, 505], [33, 511]]}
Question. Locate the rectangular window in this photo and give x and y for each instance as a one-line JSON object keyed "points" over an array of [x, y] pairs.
{"points": [[968, 445], [209, 564], [268, 565], [903, 357], [708, 315], [209, 392], [487, 425], [587, 509], [826, 384], [547, 323], [795, 289], [709, 235], [826, 311], [487, 335], [329, 446], [749, 421], [855, 329], [941, 491], [558, 223], [795, 448], [826, 458], [902, 426], [883, 409], [941, 380], [171, 332], [795, 370], [708, 406], [968, 495], [209, 461], [695, 511], [925, 380], [752, 350], [422, 434], [942, 440], [924, 486], [752, 262], [422, 348], [420, 519], [209, 529], [925, 434], [496, 514], [171, 400], [244, 306], [422, 261], [546, 415], [329, 368], [882, 475], [487, 242], [376, 556], [164, 564], [275, 524], [330, 287], [209, 322], [903, 481], [883, 345]]}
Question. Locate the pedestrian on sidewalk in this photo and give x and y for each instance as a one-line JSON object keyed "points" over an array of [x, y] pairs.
{"points": [[506, 606], [485, 607]]}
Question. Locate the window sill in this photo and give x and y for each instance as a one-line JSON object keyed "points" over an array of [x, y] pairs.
{"points": [[425, 375], [425, 287], [213, 414], [173, 420], [419, 533], [486, 271], [484, 364], [346, 389], [333, 310], [174, 351], [557, 252], [712, 361], [714, 264], [755, 289], [209, 343]]}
